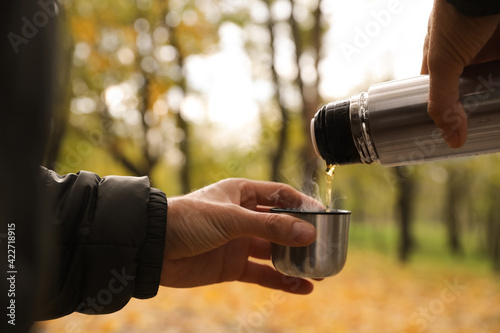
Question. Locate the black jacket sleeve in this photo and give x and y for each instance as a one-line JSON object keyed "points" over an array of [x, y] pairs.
{"points": [[108, 241], [477, 7]]}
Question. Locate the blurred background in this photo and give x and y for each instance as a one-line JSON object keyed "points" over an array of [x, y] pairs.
{"points": [[190, 92]]}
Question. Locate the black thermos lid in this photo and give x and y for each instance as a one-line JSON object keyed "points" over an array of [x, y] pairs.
{"points": [[333, 134]]}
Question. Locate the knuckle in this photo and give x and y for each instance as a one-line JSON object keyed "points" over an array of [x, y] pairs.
{"points": [[288, 197], [226, 181], [242, 184], [434, 112], [248, 196], [274, 225]]}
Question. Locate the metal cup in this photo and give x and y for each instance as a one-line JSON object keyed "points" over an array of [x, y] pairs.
{"points": [[326, 256]]}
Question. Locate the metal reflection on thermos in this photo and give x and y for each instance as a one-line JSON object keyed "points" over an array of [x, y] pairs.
{"points": [[326, 256], [389, 123]]}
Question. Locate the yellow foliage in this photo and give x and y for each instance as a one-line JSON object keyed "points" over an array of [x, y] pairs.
{"points": [[84, 29], [372, 294]]}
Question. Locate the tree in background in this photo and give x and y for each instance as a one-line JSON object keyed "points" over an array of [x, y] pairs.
{"points": [[278, 153], [455, 206], [129, 88], [405, 205], [493, 229], [300, 25], [128, 82], [308, 45], [492, 212]]}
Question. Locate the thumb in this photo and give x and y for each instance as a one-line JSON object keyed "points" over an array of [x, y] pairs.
{"points": [[444, 106], [277, 228]]}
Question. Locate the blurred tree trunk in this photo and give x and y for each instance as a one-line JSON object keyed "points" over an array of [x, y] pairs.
{"points": [[493, 234], [404, 202], [113, 143], [493, 228], [456, 189], [184, 145], [150, 155], [309, 93], [278, 154], [143, 166]]}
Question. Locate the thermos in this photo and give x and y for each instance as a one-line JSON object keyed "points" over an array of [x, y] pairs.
{"points": [[326, 256], [389, 124]]}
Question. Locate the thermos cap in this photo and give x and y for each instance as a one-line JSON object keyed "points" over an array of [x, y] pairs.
{"points": [[332, 134], [313, 137]]}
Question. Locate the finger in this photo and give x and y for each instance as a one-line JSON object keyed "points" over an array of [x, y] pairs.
{"points": [[425, 69], [263, 209], [254, 193], [268, 277], [261, 249], [314, 206], [444, 106], [490, 51], [282, 229], [454, 41], [278, 228], [445, 66]]}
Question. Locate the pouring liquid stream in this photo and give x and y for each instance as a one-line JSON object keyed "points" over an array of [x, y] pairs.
{"points": [[330, 174]]}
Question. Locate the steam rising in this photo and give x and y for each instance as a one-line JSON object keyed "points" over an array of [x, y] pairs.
{"points": [[313, 190]]}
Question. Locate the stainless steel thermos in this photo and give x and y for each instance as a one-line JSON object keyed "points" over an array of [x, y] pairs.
{"points": [[326, 256], [389, 124]]}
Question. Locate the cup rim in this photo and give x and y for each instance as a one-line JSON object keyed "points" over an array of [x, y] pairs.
{"points": [[317, 212]]}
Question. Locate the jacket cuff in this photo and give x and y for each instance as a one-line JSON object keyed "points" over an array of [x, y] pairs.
{"points": [[476, 7], [150, 259]]}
